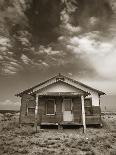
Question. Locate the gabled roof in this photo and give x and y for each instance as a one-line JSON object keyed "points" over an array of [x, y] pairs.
{"points": [[58, 77]]}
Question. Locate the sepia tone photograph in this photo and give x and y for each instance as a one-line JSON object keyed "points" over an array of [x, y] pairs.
{"points": [[57, 77]]}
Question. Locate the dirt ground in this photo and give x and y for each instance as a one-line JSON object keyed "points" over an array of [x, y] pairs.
{"points": [[24, 140]]}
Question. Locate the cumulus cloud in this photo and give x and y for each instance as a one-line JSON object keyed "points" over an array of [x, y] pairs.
{"points": [[77, 44], [66, 27], [100, 53], [9, 65], [48, 50], [93, 21], [5, 42]]}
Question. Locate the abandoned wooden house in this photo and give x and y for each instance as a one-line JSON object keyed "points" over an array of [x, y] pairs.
{"points": [[60, 101]]}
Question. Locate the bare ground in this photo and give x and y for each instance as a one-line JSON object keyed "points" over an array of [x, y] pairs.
{"points": [[18, 141]]}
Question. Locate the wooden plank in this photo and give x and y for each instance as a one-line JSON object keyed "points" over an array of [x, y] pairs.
{"points": [[96, 110], [59, 105], [91, 120]]}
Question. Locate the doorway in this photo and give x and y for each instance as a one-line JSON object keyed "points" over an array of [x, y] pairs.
{"points": [[67, 110]]}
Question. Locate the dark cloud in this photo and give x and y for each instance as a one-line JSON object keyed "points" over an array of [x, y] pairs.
{"points": [[56, 35]]}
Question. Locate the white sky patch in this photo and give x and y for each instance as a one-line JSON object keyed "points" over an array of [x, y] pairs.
{"points": [[100, 54], [14, 64], [48, 50], [8, 69], [45, 64], [70, 74], [8, 72], [24, 41], [109, 87], [71, 28], [65, 18], [4, 41], [93, 21], [25, 59], [9, 104]]}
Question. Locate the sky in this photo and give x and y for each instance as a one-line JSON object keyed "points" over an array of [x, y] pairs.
{"points": [[40, 38]]}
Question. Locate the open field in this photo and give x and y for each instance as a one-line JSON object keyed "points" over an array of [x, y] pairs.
{"points": [[18, 141]]}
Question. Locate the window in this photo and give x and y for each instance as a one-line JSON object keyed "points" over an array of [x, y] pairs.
{"points": [[88, 102], [88, 106], [50, 107], [31, 111]]}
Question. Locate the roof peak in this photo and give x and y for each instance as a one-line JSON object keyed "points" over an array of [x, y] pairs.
{"points": [[59, 74], [59, 77]]}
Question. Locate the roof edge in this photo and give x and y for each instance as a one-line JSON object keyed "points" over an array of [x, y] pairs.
{"points": [[59, 75]]}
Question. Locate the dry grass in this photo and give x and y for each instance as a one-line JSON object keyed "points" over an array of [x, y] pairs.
{"points": [[18, 141]]}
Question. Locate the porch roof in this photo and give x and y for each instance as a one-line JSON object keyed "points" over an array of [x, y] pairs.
{"points": [[70, 94]]}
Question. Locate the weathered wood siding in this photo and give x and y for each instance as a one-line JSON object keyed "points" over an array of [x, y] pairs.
{"points": [[77, 112], [60, 87], [93, 113], [27, 101], [43, 118]]}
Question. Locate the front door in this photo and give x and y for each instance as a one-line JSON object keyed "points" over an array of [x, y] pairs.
{"points": [[67, 110]]}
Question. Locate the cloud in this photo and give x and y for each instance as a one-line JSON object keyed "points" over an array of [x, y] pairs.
{"points": [[93, 21], [45, 64], [9, 65], [48, 50], [76, 44], [99, 53], [10, 68], [25, 59], [1, 57], [4, 41], [66, 27], [9, 104]]}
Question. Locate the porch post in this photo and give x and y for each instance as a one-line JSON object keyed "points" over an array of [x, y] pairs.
{"points": [[83, 114], [36, 112]]}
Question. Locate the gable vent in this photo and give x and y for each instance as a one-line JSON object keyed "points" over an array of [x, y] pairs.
{"points": [[60, 77]]}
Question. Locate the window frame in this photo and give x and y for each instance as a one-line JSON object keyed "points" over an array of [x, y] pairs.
{"points": [[54, 107], [89, 107], [90, 102], [28, 110]]}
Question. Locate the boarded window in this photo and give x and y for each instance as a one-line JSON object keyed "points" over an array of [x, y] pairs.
{"points": [[50, 107], [31, 111], [67, 104]]}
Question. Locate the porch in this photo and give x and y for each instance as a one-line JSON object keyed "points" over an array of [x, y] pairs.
{"points": [[60, 109]]}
